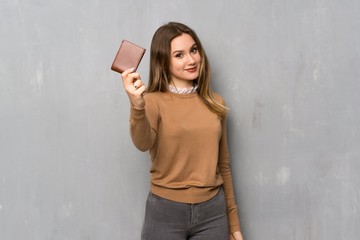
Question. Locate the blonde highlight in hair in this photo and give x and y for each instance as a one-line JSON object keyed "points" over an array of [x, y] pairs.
{"points": [[159, 74]]}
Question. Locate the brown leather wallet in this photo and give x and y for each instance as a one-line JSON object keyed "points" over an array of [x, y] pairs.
{"points": [[128, 56]]}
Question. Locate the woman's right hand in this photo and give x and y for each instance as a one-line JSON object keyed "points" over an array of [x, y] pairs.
{"points": [[134, 87]]}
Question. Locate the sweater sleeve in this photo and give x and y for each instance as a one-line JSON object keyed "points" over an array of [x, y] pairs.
{"points": [[143, 125], [224, 168]]}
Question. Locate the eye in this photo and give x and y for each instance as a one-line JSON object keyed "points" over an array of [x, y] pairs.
{"points": [[194, 49], [179, 55]]}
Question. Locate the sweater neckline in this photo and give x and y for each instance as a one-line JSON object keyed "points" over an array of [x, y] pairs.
{"points": [[174, 89], [179, 95]]}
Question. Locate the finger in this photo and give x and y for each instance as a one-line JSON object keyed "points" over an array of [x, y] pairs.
{"points": [[125, 74], [134, 76], [141, 90], [130, 78], [138, 83], [127, 71]]}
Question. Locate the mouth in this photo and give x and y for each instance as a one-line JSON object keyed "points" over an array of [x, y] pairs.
{"points": [[191, 70]]}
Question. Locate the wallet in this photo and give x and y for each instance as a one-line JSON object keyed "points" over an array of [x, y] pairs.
{"points": [[128, 56]]}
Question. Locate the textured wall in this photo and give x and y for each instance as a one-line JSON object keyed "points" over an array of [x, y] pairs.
{"points": [[289, 70]]}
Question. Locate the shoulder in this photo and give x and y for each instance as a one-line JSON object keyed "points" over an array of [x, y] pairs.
{"points": [[151, 98], [160, 96], [150, 95], [219, 98], [155, 98]]}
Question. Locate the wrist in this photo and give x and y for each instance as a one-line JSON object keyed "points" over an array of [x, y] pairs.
{"points": [[139, 105]]}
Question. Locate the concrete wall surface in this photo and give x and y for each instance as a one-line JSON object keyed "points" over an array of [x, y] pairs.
{"points": [[289, 71]]}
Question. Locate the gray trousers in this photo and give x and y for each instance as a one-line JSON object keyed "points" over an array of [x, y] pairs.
{"points": [[169, 220]]}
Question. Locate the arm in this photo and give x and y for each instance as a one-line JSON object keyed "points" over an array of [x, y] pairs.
{"points": [[143, 125], [224, 168], [236, 236], [142, 134]]}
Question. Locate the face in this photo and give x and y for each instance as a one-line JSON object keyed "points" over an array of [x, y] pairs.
{"points": [[184, 61]]}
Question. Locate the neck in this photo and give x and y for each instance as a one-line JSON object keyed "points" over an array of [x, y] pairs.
{"points": [[185, 84], [185, 90]]}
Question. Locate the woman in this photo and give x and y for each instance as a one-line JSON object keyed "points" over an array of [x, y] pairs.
{"points": [[183, 124]]}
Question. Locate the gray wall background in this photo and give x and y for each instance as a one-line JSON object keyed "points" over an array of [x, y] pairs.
{"points": [[289, 71]]}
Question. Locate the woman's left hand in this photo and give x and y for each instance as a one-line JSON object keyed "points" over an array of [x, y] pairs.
{"points": [[236, 236]]}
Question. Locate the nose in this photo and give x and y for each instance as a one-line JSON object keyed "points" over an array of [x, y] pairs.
{"points": [[191, 59]]}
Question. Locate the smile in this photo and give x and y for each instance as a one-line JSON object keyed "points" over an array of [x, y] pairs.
{"points": [[191, 69]]}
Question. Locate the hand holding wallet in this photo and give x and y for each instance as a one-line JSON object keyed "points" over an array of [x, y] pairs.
{"points": [[128, 56]]}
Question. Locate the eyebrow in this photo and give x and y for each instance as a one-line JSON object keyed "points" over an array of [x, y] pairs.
{"points": [[180, 51]]}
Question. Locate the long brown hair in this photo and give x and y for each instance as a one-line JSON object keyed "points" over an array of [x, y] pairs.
{"points": [[160, 76]]}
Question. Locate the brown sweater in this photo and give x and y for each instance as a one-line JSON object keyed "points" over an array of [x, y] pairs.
{"points": [[188, 148]]}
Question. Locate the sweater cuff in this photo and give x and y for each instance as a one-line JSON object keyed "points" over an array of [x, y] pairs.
{"points": [[234, 223], [137, 113]]}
